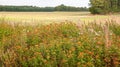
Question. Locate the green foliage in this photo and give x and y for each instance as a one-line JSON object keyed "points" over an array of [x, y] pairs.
{"points": [[38, 9], [94, 10], [58, 45], [62, 7], [25, 8], [104, 6], [115, 27]]}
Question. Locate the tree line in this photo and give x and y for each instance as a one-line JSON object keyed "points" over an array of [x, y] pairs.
{"points": [[38, 9], [104, 6]]}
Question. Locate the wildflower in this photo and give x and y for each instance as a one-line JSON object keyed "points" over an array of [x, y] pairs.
{"points": [[78, 64], [26, 48], [64, 61], [80, 33], [37, 53], [73, 49], [89, 63], [24, 58], [18, 47], [111, 34], [47, 51], [79, 43], [97, 34], [116, 62], [54, 53], [81, 55], [36, 45], [107, 60], [99, 43], [100, 31], [91, 53], [70, 51], [97, 56], [45, 61], [27, 31], [48, 57], [84, 65], [70, 55], [91, 30]]}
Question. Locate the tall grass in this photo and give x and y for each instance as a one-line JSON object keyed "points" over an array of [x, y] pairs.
{"points": [[59, 45]]}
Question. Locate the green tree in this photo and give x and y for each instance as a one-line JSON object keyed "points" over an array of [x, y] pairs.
{"points": [[104, 6], [62, 7], [45, 9]]}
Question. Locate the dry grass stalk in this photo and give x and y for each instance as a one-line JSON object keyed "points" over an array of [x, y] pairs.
{"points": [[107, 37]]}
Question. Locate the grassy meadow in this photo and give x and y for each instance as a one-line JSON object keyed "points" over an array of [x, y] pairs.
{"points": [[51, 17], [59, 39]]}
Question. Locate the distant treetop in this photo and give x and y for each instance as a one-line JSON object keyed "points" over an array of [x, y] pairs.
{"points": [[61, 7], [104, 6]]}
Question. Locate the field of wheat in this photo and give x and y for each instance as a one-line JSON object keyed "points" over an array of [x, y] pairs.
{"points": [[64, 40], [51, 17]]}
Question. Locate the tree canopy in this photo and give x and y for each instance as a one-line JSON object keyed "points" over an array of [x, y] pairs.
{"points": [[62, 7], [104, 6], [37, 9]]}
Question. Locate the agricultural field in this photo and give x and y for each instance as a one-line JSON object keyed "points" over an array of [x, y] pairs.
{"points": [[51, 17], [59, 39]]}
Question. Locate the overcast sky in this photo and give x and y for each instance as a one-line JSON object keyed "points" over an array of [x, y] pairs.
{"points": [[44, 3]]}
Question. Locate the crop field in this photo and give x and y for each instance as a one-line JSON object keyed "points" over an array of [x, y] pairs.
{"points": [[59, 39], [51, 17]]}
